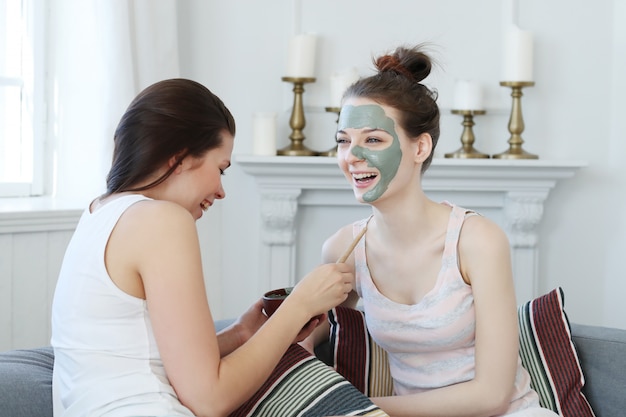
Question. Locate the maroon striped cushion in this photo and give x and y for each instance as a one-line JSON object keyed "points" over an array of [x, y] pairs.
{"points": [[355, 354], [548, 353]]}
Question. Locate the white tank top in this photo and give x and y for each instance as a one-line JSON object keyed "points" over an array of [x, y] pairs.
{"points": [[431, 344], [107, 362]]}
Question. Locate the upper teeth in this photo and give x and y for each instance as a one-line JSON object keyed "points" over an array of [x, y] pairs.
{"points": [[204, 205], [361, 176]]}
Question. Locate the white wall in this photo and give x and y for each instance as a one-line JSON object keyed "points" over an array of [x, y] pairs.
{"points": [[239, 50]]}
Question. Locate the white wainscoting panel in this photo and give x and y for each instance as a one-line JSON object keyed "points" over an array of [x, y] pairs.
{"points": [[32, 243]]}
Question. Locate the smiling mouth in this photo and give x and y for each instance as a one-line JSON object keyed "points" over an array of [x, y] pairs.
{"points": [[205, 205], [363, 178]]}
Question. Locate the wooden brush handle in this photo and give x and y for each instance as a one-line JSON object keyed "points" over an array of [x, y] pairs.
{"points": [[348, 251]]}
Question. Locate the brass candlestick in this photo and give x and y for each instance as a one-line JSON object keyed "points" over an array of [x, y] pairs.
{"points": [[516, 123], [297, 120], [332, 151], [467, 137]]}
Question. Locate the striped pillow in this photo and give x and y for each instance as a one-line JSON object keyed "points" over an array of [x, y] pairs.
{"points": [[302, 385], [356, 356], [549, 355]]}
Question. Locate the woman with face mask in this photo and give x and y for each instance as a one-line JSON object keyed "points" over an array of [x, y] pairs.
{"points": [[434, 278]]}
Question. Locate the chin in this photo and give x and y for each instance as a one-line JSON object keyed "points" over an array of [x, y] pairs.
{"points": [[358, 195]]}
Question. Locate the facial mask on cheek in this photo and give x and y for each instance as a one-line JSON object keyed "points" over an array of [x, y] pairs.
{"points": [[387, 160]]}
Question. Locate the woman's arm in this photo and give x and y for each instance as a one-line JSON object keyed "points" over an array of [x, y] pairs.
{"points": [[332, 249], [238, 333], [485, 263], [160, 243]]}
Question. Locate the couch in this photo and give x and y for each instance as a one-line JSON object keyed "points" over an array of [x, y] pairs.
{"points": [[26, 374]]}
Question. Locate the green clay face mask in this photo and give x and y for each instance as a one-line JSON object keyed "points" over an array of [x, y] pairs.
{"points": [[387, 161]]}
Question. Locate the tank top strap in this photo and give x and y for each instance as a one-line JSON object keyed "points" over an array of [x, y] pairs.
{"points": [[360, 260], [455, 223], [357, 227]]}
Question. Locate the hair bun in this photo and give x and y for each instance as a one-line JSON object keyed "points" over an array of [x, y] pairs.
{"points": [[411, 63], [389, 63]]}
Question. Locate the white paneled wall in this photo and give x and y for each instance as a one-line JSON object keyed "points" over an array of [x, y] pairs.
{"points": [[33, 238], [31, 251]]}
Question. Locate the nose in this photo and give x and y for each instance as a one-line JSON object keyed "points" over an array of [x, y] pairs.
{"points": [[220, 194], [353, 154]]}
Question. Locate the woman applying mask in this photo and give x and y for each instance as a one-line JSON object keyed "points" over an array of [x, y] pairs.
{"points": [[435, 279], [132, 331]]}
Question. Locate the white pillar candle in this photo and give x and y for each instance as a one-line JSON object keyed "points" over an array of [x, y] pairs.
{"points": [[468, 95], [264, 133], [301, 57], [339, 83], [518, 55]]}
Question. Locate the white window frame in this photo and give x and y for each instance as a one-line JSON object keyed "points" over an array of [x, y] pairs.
{"points": [[36, 11]]}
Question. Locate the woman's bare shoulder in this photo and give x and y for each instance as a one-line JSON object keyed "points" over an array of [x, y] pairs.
{"points": [[337, 243], [480, 230], [157, 213], [484, 250], [150, 238], [150, 223]]}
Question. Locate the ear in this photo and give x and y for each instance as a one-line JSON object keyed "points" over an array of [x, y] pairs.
{"points": [[423, 148], [174, 160], [178, 159]]}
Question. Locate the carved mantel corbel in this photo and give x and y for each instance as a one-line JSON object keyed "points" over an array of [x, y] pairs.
{"points": [[278, 214], [522, 213]]}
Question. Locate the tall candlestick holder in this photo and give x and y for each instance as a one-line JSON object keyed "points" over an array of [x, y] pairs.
{"points": [[467, 149], [297, 120], [332, 151], [516, 123]]}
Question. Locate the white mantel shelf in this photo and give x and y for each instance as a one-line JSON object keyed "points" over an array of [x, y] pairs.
{"points": [[514, 189], [314, 172]]}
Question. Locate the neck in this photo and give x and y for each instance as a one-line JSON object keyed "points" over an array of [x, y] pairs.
{"points": [[408, 222]]}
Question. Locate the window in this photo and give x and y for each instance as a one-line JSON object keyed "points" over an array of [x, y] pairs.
{"points": [[21, 97]]}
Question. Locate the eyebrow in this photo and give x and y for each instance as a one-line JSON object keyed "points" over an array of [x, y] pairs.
{"points": [[377, 129]]}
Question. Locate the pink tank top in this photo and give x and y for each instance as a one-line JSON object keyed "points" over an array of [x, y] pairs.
{"points": [[430, 344]]}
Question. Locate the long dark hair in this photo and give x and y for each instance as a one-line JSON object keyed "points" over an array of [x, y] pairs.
{"points": [[175, 117], [398, 84]]}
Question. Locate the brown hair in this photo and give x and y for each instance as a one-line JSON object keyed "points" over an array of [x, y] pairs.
{"points": [[398, 84], [175, 117]]}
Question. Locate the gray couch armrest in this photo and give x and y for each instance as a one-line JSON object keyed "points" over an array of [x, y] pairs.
{"points": [[26, 382], [602, 354]]}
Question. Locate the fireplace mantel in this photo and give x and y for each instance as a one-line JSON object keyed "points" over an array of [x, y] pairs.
{"points": [[513, 192]]}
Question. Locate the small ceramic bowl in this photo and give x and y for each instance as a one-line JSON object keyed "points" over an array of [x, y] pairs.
{"points": [[273, 299]]}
